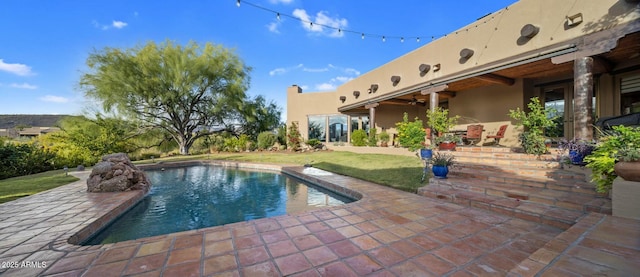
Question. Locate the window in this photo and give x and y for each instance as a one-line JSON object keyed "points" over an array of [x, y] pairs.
{"points": [[338, 128], [630, 94], [317, 127]]}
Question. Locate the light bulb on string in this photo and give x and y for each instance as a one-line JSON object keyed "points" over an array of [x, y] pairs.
{"points": [[362, 35], [238, 3], [418, 39], [401, 39], [278, 16], [384, 39]]}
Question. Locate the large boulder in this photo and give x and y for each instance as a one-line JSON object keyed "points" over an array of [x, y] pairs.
{"points": [[115, 172]]}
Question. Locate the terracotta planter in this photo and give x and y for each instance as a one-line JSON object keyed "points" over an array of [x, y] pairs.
{"points": [[629, 171], [447, 146]]}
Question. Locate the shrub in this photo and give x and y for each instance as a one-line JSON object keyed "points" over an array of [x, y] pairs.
{"points": [[359, 138], [314, 143], [410, 133], [373, 138], [384, 137], [293, 137], [266, 140], [24, 159], [535, 122], [282, 135]]}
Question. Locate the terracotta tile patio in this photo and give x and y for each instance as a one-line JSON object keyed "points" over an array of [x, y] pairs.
{"points": [[386, 233]]}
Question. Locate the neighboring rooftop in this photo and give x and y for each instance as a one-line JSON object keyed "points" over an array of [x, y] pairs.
{"points": [[8, 121]]}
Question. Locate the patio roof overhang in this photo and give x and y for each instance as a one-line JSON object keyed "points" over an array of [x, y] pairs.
{"points": [[622, 51]]}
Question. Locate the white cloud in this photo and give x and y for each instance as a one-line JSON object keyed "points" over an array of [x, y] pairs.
{"points": [[273, 27], [277, 71], [352, 71], [315, 70], [283, 70], [347, 70], [23, 86], [15, 68], [325, 86], [315, 25], [114, 24], [286, 2], [342, 79], [119, 24], [54, 99]]}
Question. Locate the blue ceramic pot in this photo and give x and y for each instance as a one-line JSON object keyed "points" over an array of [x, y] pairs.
{"points": [[426, 154], [440, 171], [576, 157]]}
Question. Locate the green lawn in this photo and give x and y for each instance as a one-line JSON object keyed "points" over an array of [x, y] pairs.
{"points": [[400, 172], [14, 188]]}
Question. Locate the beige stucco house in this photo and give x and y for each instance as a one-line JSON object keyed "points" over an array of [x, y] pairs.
{"points": [[585, 52]]}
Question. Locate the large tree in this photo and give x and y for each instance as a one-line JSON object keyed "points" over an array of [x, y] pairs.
{"points": [[183, 90], [257, 116]]}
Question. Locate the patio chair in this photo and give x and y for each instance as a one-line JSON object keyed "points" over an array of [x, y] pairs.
{"points": [[473, 134], [499, 135]]}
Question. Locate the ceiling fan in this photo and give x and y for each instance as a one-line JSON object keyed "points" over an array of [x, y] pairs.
{"points": [[415, 101]]}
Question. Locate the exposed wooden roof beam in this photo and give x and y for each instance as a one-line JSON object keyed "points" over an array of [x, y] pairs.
{"points": [[451, 94], [494, 78]]}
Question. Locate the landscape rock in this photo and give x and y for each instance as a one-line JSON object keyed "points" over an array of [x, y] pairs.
{"points": [[114, 173]]}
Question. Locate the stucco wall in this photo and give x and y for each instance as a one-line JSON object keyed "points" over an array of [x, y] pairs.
{"points": [[489, 106], [495, 39], [300, 105]]}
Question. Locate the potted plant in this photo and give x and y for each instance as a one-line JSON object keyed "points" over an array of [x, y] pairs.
{"points": [[439, 121], [620, 145], [447, 142], [628, 166], [441, 162], [384, 138], [426, 153], [577, 149]]}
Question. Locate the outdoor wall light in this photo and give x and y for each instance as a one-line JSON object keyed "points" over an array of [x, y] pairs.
{"points": [[424, 68], [466, 53], [529, 31], [574, 20], [436, 67], [395, 79], [356, 93], [343, 98], [373, 88]]}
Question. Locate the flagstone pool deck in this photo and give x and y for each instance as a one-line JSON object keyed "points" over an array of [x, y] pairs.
{"points": [[386, 233]]}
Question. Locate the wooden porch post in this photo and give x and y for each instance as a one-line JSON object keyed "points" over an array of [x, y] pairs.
{"points": [[433, 100], [582, 98], [372, 114]]}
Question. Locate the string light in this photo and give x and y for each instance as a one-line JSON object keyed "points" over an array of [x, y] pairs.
{"points": [[340, 30]]}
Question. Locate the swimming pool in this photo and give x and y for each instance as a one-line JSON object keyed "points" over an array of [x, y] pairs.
{"points": [[199, 196]]}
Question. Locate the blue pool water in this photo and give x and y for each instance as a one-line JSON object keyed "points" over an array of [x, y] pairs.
{"points": [[196, 197]]}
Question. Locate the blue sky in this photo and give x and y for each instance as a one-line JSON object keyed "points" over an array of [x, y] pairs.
{"points": [[44, 44]]}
